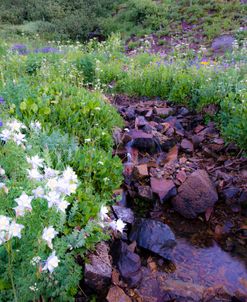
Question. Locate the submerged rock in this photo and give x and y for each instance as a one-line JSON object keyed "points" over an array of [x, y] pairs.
{"points": [[97, 274], [154, 236], [195, 195], [127, 262]]}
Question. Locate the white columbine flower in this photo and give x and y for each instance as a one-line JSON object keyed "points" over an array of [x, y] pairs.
{"points": [[35, 161], [50, 173], [4, 223], [52, 184], [69, 175], [34, 174], [118, 225], [53, 198], [15, 229], [24, 200], [19, 138], [5, 135], [62, 205], [15, 126], [103, 213], [2, 172], [51, 262], [49, 234], [39, 192]]}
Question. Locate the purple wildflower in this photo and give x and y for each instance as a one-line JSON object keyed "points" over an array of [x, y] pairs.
{"points": [[21, 49], [46, 50], [1, 123], [1, 100]]}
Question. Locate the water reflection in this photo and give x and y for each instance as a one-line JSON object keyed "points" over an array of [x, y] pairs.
{"points": [[210, 266]]}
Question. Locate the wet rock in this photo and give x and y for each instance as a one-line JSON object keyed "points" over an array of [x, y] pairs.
{"points": [[116, 294], [154, 236], [164, 188], [187, 145], [127, 262], [130, 113], [168, 144], [145, 192], [230, 193], [126, 214], [143, 141], [97, 273], [223, 43], [195, 195]]}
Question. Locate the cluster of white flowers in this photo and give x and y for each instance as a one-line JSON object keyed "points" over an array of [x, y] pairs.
{"points": [[56, 185], [2, 184], [9, 229], [116, 225], [13, 131]]}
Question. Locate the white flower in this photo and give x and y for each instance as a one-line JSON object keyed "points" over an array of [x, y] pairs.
{"points": [[52, 184], [24, 200], [87, 140], [2, 172], [15, 126], [2, 237], [69, 175], [39, 192], [20, 210], [19, 138], [49, 234], [15, 229], [118, 225], [53, 198], [50, 173], [35, 161], [34, 174], [36, 126], [62, 205], [103, 213], [5, 135], [35, 260], [4, 223], [51, 262]]}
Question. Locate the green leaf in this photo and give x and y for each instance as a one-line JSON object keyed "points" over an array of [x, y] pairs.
{"points": [[23, 106], [4, 285]]}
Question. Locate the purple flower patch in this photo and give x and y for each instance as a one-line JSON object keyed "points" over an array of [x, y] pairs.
{"points": [[1, 100], [46, 50], [21, 49]]}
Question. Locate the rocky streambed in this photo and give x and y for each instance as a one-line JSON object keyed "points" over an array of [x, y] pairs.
{"points": [[184, 199]]}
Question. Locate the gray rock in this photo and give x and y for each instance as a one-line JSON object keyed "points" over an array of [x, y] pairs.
{"points": [[154, 236], [195, 195], [126, 214], [97, 273]]}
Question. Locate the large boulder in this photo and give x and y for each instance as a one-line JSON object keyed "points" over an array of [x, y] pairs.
{"points": [[195, 195], [154, 236]]}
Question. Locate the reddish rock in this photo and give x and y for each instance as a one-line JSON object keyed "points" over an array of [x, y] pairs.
{"points": [[163, 187], [141, 171], [181, 176], [116, 294], [195, 195], [172, 155], [187, 145], [97, 274]]}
